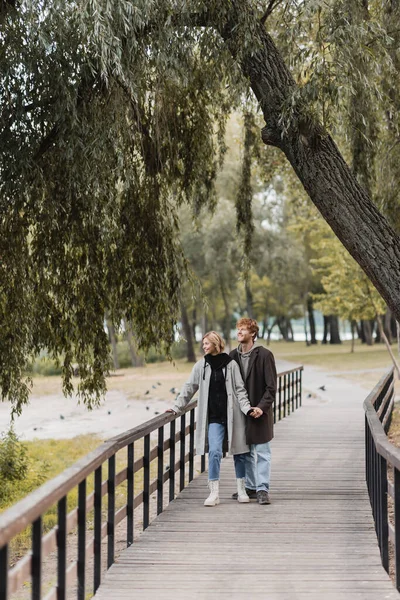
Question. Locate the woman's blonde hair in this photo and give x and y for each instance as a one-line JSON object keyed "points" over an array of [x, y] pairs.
{"points": [[215, 339]]}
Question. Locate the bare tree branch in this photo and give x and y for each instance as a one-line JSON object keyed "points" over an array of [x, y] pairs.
{"points": [[272, 4]]}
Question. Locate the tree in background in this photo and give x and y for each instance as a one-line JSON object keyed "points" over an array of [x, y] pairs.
{"points": [[113, 115]]}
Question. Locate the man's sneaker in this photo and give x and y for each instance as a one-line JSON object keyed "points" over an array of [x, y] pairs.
{"points": [[263, 497], [250, 493]]}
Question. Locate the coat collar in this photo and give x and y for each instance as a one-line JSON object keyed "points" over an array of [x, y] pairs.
{"points": [[252, 359]]}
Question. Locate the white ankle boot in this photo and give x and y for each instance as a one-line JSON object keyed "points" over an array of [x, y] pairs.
{"points": [[241, 490], [213, 498]]}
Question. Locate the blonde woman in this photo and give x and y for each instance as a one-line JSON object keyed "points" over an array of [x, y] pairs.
{"points": [[222, 406]]}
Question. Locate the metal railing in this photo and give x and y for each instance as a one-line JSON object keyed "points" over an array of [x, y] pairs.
{"points": [[382, 461], [30, 510]]}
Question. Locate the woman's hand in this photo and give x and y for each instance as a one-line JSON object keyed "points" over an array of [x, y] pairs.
{"points": [[256, 412]]}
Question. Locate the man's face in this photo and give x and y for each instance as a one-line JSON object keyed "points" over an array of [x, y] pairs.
{"points": [[244, 336]]}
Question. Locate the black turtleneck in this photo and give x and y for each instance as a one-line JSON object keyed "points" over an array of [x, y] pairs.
{"points": [[217, 396]]}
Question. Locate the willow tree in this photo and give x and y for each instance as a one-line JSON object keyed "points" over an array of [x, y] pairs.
{"points": [[112, 115]]}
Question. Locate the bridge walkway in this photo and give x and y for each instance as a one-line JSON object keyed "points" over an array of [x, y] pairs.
{"points": [[316, 540]]}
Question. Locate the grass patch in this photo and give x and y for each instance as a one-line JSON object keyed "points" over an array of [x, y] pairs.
{"points": [[50, 458], [334, 357], [45, 460]]}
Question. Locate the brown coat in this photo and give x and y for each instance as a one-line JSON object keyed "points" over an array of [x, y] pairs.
{"points": [[260, 384]]}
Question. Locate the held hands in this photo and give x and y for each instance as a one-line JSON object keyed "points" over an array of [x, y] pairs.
{"points": [[256, 412]]}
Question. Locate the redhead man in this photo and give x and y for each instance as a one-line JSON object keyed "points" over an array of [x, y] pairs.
{"points": [[257, 366]]}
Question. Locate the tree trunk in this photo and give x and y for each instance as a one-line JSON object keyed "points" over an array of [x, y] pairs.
{"points": [[290, 330], [136, 360], [227, 320], [194, 324], [187, 331], [264, 327], [327, 328], [360, 330], [305, 328], [269, 331], [311, 319], [113, 342], [314, 156], [282, 324], [352, 327], [249, 300], [335, 335], [367, 333]]}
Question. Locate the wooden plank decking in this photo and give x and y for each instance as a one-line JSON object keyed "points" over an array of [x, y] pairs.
{"points": [[315, 541]]}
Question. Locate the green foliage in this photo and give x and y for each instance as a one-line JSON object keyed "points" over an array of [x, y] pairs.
{"points": [[111, 121], [113, 115], [153, 354], [19, 475], [348, 292], [13, 459]]}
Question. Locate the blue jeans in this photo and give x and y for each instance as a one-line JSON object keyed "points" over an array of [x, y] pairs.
{"points": [[216, 434], [256, 464]]}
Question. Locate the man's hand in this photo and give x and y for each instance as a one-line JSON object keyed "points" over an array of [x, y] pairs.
{"points": [[171, 410], [256, 412]]}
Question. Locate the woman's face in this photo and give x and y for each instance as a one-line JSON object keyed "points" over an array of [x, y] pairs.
{"points": [[209, 347]]}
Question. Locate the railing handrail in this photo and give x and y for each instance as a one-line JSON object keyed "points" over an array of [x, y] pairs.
{"points": [[30, 510], [16, 518], [383, 446]]}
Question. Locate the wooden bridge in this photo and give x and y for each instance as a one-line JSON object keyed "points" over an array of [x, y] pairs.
{"points": [[318, 538]]}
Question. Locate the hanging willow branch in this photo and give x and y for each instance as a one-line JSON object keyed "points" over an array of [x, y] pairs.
{"points": [[245, 192]]}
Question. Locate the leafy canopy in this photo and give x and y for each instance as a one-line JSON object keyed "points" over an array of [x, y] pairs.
{"points": [[112, 115]]}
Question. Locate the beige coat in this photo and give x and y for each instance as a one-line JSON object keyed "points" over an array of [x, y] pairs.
{"points": [[238, 405]]}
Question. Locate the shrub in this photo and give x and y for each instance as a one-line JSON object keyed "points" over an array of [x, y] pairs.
{"points": [[13, 458]]}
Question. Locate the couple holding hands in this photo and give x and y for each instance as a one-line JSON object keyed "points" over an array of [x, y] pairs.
{"points": [[236, 396]]}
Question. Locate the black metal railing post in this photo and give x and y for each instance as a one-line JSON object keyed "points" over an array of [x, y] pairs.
{"points": [[366, 442], [36, 559], [62, 548], [160, 470], [111, 512], [97, 528], [172, 461], [301, 387], [383, 525], [146, 481], [191, 445], [203, 463], [279, 398], [4, 573], [81, 567], [182, 446], [396, 507], [130, 503], [284, 397], [294, 401]]}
